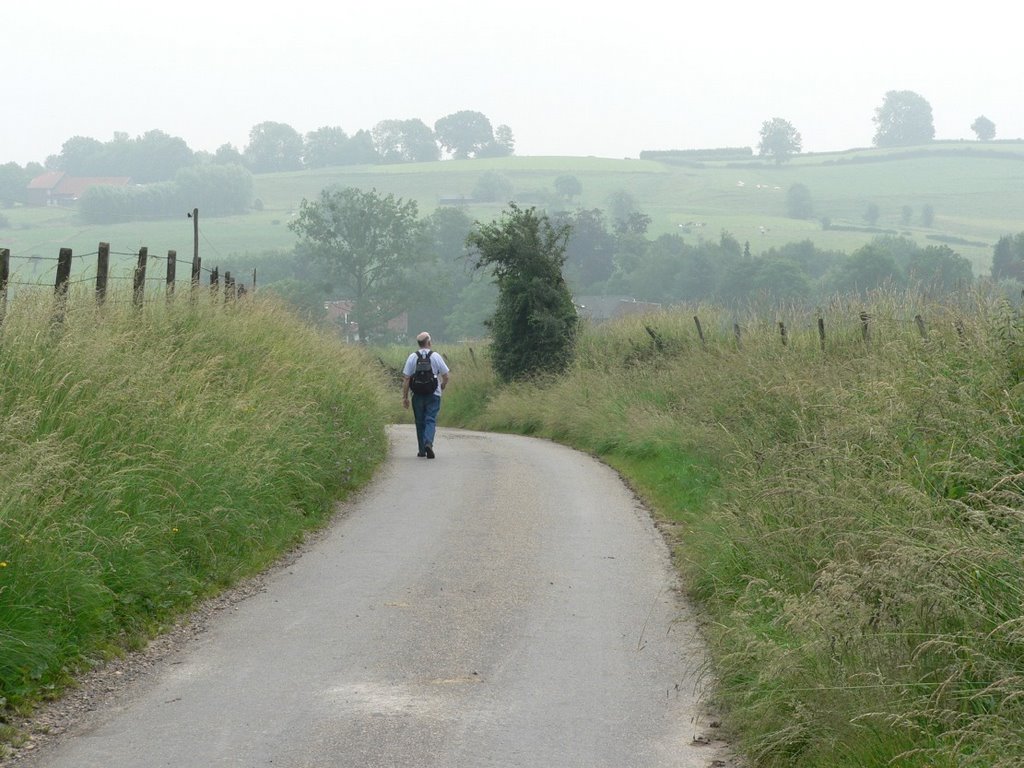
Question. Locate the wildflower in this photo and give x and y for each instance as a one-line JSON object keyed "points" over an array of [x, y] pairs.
{"points": [[3, 563]]}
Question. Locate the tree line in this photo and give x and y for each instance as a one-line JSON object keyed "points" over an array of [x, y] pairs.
{"points": [[156, 156], [377, 250], [904, 119]]}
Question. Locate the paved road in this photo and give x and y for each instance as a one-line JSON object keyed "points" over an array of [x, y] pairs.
{"points": [[507, 604]]}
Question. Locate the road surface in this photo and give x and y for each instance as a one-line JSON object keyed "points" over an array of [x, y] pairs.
{"points": [[506, 604]]}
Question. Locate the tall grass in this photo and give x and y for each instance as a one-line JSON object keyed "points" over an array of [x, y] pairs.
{"points": [[149, 458], [850, 520]]}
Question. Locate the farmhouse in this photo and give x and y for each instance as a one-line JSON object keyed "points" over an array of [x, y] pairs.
{"points": [[59, 188]]}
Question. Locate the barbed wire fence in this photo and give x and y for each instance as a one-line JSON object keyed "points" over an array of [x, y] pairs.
{"points": [[58, 277]]}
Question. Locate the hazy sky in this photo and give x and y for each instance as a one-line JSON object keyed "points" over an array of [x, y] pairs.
{"points": [[569, 78]]}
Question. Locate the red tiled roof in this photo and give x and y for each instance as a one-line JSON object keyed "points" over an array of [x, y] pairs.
{"points": [[74, 186], [47, 180]]}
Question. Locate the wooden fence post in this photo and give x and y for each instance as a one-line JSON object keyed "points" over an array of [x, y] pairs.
{"points": [[920, 326], [961, 331], [229, 285], [700, 332], [864, 330], [5, 277], [782, 332], [736, 331], [254, 279], [215, 281], [172, 268], [139, 281], [821, 332], [102, 272], [60, 285], [656, 337]]}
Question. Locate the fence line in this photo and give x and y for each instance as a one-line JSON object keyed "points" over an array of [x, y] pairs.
{"points": [[62, 280], [866, 327]]}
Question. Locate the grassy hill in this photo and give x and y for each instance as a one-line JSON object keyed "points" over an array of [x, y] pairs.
{"points": [[975, 189]]}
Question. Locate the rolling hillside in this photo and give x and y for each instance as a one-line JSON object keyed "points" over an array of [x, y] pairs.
{"points": [[976, 191]]}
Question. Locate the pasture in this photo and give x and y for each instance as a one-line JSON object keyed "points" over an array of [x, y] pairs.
{"points": [[976, 191]]}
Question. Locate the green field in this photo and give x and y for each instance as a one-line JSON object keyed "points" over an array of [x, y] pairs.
{"points": [[975, 189]]}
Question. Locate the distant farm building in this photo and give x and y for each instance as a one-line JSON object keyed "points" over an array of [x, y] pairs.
{"points": [[342, 314], [58, 188]]}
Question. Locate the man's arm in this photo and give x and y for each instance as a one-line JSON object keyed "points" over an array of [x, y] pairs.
{"points": [[444, 381], [405, 391]]}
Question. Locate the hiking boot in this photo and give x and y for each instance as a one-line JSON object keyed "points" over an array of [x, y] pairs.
{"points": [[429, 450]]}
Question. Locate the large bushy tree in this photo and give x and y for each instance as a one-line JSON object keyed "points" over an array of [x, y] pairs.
{"points": [[330, 145], [367, 245], [779, 139], [273, 147], [405, 141], [534, 326], [464, 134], [984, 128], [799, 204], [904, 119]]}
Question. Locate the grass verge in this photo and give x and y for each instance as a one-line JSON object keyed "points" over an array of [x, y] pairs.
{"points": [[848, 518], [151, 457]]}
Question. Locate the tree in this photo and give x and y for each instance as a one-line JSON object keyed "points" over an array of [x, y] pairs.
{"points": [[798, 202], [361, 150], [869, 267], [324, 147], [904, 119], [779, 139], [568, 186], [464, 133], [492, 186], [984, 128], [781, 280], [405, 141], [939, 267], [79, 156], [156, 156], [444, 271], [927, 215], [228, 154], [590, 252], [1008, 258], [217, 190], [273, 147], [504, 141], [535, 323], [13, 182], [367, 245]]}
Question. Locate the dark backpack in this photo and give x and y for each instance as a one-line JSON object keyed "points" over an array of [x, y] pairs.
{"points": [[423, 380]]}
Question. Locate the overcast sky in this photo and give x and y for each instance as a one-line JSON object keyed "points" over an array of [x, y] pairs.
{"points": [[569, 78]]}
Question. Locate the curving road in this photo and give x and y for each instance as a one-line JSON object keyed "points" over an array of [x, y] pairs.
{"points": [[507, 604]]}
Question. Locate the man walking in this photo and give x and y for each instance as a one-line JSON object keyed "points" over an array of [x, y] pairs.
{"points": [[426, 375]]}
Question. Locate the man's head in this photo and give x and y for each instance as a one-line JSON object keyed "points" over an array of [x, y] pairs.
{"points": [[423, 339]]}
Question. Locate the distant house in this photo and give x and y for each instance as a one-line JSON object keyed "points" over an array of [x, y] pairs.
{"points": [[58, 188], [342, 313], [454, 200], [599, 308]]}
